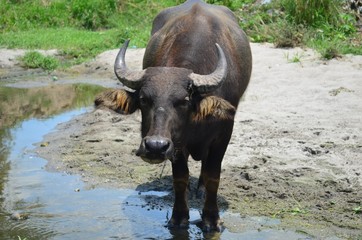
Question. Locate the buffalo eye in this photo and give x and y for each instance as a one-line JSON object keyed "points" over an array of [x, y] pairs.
{"points": [[183, 103], [144, 101]]}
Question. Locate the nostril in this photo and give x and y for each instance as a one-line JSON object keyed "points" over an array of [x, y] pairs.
{"points": [[165, 146], [157, 145]]}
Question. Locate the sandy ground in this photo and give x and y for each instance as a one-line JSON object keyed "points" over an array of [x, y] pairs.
{"points": [[295, 153]]}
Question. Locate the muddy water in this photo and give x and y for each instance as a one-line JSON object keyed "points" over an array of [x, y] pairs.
{"points": [[37, 204]]}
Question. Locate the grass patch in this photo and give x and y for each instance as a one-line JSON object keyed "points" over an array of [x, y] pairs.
{"points": [[333, 43], [296, 58], [75, 45], [357, 210], [59, 38], [35, 59]]}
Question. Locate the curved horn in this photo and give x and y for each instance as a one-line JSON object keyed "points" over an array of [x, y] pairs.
{"points": [[208, 83], [131, 79]]}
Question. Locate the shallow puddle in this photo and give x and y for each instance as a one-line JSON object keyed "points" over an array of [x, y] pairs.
{"points": [[37, 204]]}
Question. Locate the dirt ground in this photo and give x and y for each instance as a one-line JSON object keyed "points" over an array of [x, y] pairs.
{"points": [[295, 153]]}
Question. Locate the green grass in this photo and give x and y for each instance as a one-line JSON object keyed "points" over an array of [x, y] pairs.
{"points": [[81, 29], [232, 4], [357, 210], [313, 13], [324, 25], [76, 45], [60, 38], [35, 59], [296, 58], [332, 40]]}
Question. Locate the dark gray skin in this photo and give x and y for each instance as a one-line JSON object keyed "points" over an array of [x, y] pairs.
{"points": [[187, 93]]}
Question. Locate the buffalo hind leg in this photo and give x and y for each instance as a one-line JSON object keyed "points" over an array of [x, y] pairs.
{"points": [[180, 212]]}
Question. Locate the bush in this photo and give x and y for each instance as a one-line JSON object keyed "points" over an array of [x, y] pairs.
{"points": [[324, 25], [88, 14], [93, 14], [35, 59], [287, 35], [232, 4], [313, 13], [22, 15]]}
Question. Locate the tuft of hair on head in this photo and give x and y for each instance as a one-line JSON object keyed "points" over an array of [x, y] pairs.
{"points": [[215, 108], [120, 101]]}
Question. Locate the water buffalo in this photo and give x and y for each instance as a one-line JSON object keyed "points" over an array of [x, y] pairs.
{"points": [[196, 67]]}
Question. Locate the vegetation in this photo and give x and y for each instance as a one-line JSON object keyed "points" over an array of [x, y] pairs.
{"points": [[35, 59], [81, 29], [326, 25], [357, 210], [295, 58]]}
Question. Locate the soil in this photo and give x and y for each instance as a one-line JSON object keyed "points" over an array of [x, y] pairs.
{"points": [[295, 153]]}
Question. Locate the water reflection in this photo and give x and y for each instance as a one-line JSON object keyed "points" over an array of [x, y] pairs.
{"points": [[17, 105]]}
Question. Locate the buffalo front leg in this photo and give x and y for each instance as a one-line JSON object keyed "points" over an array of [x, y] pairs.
{"points": [[210, 174], [210, 178], [180, 212]]}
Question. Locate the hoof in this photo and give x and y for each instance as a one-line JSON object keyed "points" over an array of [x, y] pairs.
{"points": [[211, 222], [212, 227], [179, 219], [178, 223]]}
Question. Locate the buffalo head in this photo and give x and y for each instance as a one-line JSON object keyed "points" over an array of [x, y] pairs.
{"points": [[171, 100]]}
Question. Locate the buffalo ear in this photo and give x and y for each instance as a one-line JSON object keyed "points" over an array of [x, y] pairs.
{"points": [[120, 101], [213, 107]]}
